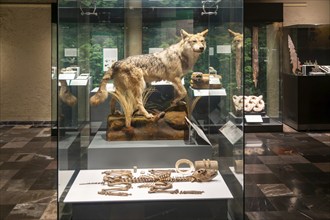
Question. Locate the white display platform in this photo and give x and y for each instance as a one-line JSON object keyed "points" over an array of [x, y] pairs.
{"points": [[64, 177], [215, 189], [239, 176], [143, 154]]}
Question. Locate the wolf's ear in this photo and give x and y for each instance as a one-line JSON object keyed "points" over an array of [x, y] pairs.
{"points": [[204, 33], [184, 34]]}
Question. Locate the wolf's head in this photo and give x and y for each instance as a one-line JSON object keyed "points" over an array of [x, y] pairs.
{"points": [[194, 42]]}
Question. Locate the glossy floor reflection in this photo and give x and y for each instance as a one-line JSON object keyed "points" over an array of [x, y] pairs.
{"points": [[287, 175], [28, 171]]}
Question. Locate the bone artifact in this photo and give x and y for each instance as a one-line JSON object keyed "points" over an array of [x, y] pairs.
{"points": [[255, 55], [238, 45], [206, 164], [200, 175], [157, 182], [296, 65]]}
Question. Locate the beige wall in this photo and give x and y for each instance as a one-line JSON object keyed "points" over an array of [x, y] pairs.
{"points": [[25, 62], [313, 12], [298, 12]]}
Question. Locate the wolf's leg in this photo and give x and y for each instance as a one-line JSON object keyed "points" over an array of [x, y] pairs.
{"points": [[137, 90], [139, 103], [102, 94], [180, 90], [112, 105]]}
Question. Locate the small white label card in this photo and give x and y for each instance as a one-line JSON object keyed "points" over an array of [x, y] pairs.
{"points": [[199, 131], [70, 52], [223, 48], [217, 92], [253, 119], [211, 51], [201, 92], [67, 76], [155, 49], [214, 80], [231, 132], [110, 55]]}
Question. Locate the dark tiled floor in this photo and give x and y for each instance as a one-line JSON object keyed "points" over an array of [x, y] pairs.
{"points": [[287, 177], [28, 173]]}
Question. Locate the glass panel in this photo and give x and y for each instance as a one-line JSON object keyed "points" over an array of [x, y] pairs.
{"points": [[262, 67], [186, 134], [54, 75]]}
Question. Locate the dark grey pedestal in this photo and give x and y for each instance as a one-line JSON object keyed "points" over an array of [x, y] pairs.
{"points": [[268, 125], [306, 102], [68, 151], [192, 210]]}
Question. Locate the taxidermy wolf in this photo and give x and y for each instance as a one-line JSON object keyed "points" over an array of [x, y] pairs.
{"points": [[131, 74]]}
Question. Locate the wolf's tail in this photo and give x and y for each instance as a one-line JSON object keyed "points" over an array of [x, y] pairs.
{"points": [[102, 94]]}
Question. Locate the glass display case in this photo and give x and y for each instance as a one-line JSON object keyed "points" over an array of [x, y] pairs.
{"points": [[145, 92], [306, 76], [262, 67]]}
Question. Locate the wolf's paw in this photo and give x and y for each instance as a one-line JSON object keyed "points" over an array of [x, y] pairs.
{"points": [[148, 115]]}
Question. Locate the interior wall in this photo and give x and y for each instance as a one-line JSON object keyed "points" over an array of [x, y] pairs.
{"points": [[313, 12], [25, 62], [298, 12]]}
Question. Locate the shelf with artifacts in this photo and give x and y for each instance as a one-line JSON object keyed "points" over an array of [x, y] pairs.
{"points": [[73, 99], [204, 89], [255, 117], [92, 198], [83, 190], [262, 63], [306, 77]]}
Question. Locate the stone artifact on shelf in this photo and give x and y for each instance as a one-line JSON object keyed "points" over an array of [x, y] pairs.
{"points": [[252, 104]]}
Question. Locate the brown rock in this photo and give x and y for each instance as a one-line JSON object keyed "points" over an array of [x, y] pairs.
{"points": [[176, 119]]}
